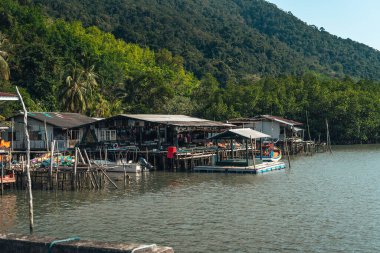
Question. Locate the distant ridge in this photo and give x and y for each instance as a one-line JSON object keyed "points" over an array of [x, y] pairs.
{"points": [[227, 38]]}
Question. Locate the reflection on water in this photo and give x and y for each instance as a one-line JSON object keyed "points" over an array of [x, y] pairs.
{"points": [[324, 203], [7, 212]]}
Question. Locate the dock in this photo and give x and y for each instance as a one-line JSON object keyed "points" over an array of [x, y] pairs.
{"points": [[13, 243], [258, 169]]}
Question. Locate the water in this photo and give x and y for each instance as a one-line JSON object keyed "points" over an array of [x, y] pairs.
{"points": [[324, 203]]}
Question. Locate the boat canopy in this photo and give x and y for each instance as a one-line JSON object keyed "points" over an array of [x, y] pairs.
{"points": [[246, 133]]}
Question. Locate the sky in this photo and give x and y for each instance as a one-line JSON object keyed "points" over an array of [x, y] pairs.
{"points": [[358, 20]]}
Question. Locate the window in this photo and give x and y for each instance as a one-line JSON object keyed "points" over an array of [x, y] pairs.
{"points": [[10, 136], [35, 135], [107, 135], [74, 134]]}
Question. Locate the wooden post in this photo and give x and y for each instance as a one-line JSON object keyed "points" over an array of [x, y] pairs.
{"points": [[328, 136], [2, 175], [253, 154], [307, 122], [46, 137], [286, 148], [74, 179], [31, 219], [232, 149], [12, 125], [51, 164], [125, 177]]}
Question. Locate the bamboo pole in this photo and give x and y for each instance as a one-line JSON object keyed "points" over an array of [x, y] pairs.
{"points": [[88, 159], [31, 219], [81, 156], [109, 179]]}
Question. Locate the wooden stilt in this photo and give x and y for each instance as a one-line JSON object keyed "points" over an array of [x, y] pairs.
{"points": [[51, 165]]}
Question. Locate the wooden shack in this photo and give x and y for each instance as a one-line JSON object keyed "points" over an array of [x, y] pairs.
{"points": [[45, 127], [150, 131], [274, 126]]}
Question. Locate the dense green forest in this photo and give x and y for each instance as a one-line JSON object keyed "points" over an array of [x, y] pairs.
{"points": [[227, 38], [65, 66]]}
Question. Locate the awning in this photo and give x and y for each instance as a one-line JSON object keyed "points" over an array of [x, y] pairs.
{"points": [[246, 133], [297, 129]]}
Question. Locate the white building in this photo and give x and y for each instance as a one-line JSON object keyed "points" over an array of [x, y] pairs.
{"points": [[272, 125]]}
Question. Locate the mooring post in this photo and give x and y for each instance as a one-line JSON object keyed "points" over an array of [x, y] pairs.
{"points": [[74, 179], [286, 148], [51, 165], [2, 175]]}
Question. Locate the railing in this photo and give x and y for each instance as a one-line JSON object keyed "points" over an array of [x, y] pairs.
{"points": [[41, 144]]}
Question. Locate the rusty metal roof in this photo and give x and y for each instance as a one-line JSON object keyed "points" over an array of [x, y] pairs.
{"points": [[282, 120], [4, 96], [176, 120], [60, 119]]}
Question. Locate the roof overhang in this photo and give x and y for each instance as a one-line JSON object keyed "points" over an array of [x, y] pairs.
{"points": [[245, 133]]}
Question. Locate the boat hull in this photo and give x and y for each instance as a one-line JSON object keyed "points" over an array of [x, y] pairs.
{"points": [[129, 167]]}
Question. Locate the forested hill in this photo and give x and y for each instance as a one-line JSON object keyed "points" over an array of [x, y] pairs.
{"points": [[227, 38], [63, 66]]}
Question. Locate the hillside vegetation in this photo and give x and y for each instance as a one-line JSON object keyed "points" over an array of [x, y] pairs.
{"points": [[227, 38], [65, 66]]}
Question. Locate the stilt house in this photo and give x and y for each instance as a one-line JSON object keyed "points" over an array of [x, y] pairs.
{"points": [[151, 131], [44, 127], [272, 125]]}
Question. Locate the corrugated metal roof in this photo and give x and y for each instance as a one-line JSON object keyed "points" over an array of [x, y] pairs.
{"points": [[246, 133], [61, 119], [4, 96], [163, 117], [177, 120], [282, 120]]}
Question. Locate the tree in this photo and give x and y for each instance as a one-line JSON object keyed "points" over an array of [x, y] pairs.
{"points": [[4, 67], [78, 89]]}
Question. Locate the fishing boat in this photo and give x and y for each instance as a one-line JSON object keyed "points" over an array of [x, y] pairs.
{"points": [[125, 166]]}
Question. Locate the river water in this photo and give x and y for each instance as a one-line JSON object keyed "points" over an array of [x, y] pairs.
{"points": [[323, 203]]}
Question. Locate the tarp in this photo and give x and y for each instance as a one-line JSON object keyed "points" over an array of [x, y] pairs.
{"points": [[246, 133]]}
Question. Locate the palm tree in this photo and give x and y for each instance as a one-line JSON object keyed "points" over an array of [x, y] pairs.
{"points": [[77, 92], [4, 67]]}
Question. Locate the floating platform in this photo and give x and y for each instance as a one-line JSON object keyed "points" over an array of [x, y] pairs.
{"points": [[13, 243], [258, 169]]}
